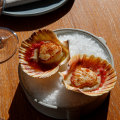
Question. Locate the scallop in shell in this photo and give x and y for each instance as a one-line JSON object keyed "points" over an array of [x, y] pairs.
{"points": [[42, 54], [89, 75]]}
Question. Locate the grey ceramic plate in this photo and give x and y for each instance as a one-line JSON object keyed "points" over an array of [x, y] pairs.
{"points": [[68, 108], [34, 9]]}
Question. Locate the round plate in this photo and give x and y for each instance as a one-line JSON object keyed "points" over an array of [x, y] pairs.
{"points": [[51, 98], [33, 9]]}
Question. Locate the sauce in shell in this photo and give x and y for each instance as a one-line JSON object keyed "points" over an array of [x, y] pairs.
{"points": [[87, 77], [37, 65]]}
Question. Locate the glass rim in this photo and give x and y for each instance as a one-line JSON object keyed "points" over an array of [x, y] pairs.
{"points": [[15, 35], [10, 30]]}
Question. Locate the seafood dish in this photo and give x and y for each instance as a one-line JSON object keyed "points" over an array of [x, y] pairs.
{"points": [[42, 54], [89, 75], [58, 66]]}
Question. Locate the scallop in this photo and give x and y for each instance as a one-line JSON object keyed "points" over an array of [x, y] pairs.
{"points": [[42, 54], [89, 75], [50, 53]]}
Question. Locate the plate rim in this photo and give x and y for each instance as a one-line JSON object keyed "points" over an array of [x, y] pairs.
{"points": [[91, 34], [4, 12]]}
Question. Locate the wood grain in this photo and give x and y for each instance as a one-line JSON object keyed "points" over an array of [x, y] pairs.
{"points": [[100, 17]]}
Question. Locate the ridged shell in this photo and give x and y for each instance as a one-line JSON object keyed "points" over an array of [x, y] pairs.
{"points": [[36, 37], [91, 62]]}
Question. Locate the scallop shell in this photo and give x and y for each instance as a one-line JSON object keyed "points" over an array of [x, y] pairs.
{"points": [[36, 37], [91, 62]]}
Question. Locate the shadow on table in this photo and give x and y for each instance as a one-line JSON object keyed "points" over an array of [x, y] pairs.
{"points": [[36, 22], [100, 113], [21, 109]]}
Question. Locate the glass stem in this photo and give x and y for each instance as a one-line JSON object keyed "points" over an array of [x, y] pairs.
{"points": [[3, 39], [1, 43]]}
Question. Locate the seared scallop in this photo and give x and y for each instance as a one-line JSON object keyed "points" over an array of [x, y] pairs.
{"points": [[50, 53], [84, 77]]}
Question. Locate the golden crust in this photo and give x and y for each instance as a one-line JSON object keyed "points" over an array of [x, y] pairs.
{"points": [[84, 77], [50, 53]]}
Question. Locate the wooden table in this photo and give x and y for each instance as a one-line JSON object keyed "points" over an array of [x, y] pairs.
{"points": [[100, 17]]}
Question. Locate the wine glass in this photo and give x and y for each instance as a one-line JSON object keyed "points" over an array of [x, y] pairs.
{"points": [[8, 43]]}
